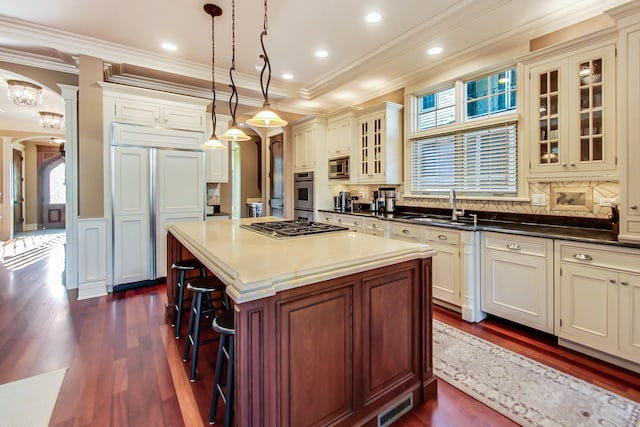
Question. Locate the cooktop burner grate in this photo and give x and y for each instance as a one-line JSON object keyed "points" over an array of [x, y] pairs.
{"points": [[292, 228]]}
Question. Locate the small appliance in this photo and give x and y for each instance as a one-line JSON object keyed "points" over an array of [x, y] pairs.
{"points": [[388, 194], [339, 168], [345, 201]]}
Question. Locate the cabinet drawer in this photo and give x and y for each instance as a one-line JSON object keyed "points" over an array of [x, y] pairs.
{"points": [[440, 235], [349, 221], [327, 217], [601, 257], [408, 232], [516, 244]]}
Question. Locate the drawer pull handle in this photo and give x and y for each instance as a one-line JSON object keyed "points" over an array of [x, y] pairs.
{"points": [[442, 237], [583, 257], [375, 225], [340, 220], [405, 231], [624, 283], [634, 207], [356, 223], [513, 247], [612, 281]]}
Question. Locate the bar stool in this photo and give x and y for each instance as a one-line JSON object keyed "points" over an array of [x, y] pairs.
{"points": [[202, 288], [182, 267], [224, 325]]}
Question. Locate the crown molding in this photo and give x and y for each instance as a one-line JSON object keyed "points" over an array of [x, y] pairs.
{"points": [[36, 61]]}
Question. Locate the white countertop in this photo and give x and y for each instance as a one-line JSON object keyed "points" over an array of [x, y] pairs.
{"points": [[255, 266]]}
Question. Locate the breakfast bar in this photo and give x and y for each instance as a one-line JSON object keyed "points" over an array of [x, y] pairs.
{"points": [[332, 328]]}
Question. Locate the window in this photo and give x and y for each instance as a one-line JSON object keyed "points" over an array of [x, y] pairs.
{"points": [[57, 188], [491, 94], [475, 161], [437, 109]]}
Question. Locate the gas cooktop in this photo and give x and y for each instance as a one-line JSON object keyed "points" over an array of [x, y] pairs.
{"points": [[292, 228]]}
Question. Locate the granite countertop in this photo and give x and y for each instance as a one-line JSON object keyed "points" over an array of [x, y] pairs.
{"points": [[255, 266], [575, 229]]}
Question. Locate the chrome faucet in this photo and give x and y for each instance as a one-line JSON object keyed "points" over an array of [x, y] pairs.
{"points": [[454, 210]]}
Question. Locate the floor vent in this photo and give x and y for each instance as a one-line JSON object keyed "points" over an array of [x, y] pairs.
{"points": [[396, 411]]}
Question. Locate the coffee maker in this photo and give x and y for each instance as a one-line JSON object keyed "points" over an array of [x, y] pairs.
{"points": [[388, 194], [345, 201]]}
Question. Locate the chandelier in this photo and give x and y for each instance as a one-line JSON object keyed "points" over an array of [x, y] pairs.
{"points": [[266, 117], [24, 93], [213, 141], [50, 120], [234, 133]]}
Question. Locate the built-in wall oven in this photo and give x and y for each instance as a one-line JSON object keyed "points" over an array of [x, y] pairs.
{"points": [[303, 195]]}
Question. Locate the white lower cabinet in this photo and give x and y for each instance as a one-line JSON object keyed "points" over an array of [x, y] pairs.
{"points": [[517, 279], [375, 227], [445, 282], [598, 298]]}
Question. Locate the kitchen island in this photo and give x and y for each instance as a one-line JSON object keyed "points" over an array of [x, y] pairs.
{"points": [[331, 329]]}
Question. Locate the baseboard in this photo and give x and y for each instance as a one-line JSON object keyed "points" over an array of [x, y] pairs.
{"points": [[614, 360], [92, 290]]}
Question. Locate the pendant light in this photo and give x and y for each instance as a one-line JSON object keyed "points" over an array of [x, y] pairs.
{"points": [[213, 141], [234, 133], [266, 117]]}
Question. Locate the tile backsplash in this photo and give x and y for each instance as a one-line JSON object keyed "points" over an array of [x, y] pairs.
{"points": [[566, 198]]}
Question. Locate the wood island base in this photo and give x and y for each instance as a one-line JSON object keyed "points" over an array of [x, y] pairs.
{"points": [[338, 352]]}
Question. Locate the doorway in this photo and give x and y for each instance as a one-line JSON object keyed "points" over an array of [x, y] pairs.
{"points": [[51, 188], [18, 195], [276, 176]]}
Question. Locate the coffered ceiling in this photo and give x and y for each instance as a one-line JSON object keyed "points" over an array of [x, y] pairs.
{"points": [[364, 59]]}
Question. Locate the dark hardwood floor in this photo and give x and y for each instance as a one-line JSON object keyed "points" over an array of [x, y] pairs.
{"points": [[125, 368]]}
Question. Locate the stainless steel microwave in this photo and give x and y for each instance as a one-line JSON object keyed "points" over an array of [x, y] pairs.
{"points": [[339, 168]]}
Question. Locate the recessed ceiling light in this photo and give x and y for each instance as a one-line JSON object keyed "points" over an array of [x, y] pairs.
{"points": [[169, 46], [434, 50], [373, 17], [322, 53], [287, 76]]}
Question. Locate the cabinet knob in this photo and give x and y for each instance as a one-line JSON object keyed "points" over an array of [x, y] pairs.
{"points": [[375, 225], [356, 223], [564, 165], [442, 237], [340, 220], [405, 231], [612, 281], [624, 283], [513, 247], [634, 207], [583, 257], [572, 164]]}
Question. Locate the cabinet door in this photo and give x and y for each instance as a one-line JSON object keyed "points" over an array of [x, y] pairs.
{"points": [[303, 147], [518, 280], [217, 164], [339, 138], [137, 112], [588, 305], [629, 314], [446, 273], [371, 148], [131, 240], [180, 196], [178, 118]]}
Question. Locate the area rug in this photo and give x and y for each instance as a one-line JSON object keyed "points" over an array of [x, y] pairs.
{"points": [[29, 402], [527, 392]]}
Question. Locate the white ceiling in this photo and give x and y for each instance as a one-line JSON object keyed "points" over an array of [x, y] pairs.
{"points": [[365, 60]]}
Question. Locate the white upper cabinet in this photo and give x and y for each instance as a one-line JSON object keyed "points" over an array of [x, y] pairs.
{"points": [[341, 134], [152, 108], [308, 137], [379, 157], [217, 164], [570, 114]]}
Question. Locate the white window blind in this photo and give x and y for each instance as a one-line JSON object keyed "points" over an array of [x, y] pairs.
{"points": [[472, 161]]}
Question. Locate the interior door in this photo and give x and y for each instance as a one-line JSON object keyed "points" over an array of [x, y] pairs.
{"points": [[180, 192], [131, 215], [18, 199], [276, 178]]}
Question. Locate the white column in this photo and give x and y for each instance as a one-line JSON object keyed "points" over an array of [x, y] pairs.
{"points": [[70, 96]]}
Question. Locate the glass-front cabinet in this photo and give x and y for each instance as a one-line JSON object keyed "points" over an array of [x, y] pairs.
{"points": [[571, 115]]}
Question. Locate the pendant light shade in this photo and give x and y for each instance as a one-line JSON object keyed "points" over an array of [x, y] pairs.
{"points": [[266, 117], [234, 133], [213, 141]]}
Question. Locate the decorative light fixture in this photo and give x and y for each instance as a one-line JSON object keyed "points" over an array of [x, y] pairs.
{"points": [[213, 141], [234, 133], [49, 120], [266, 117], [24, 93]]}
